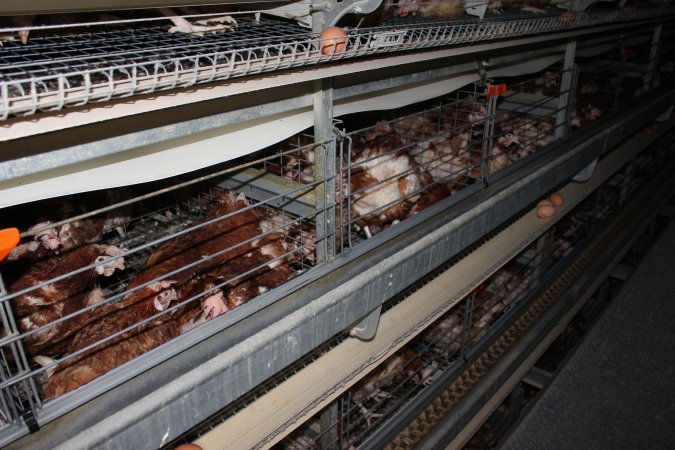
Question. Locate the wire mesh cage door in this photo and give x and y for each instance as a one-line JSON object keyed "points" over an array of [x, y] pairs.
{"points": [[393, 170], [18, 396]]}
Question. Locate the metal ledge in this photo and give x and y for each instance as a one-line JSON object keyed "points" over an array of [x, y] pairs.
{"points": [[163, 402]]}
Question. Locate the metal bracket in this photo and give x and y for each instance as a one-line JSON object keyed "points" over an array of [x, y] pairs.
{"points": [[476, 8], [331, 11], [482, 72], [365, 330]]}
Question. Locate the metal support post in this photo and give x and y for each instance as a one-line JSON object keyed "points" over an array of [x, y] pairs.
{"points": [[541, 258], [627, 181], [566, 98], [325, 169], [652, 65], [329, 428], [488, 134]]}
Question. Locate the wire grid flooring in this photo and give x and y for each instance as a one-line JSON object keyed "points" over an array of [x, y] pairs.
{"points": [[56, 71], [616, 390]]}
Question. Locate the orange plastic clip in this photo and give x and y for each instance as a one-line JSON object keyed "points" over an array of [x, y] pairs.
{"points": [[495, 89], [9, 237]]}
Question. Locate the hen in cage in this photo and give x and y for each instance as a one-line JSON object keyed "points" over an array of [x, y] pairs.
{"points": [[445, 158], [44, 305], [49, 239], [196, 21], [16, 21], [92, 363], [487, 308], [586, 109], [509, 284], [546, 85], [403, 366], [441, 9], [463, 114], [447, 332], [232, 238], [454, 156], [296, 165], [383, 182], [234, 253], [592, 98], [529, 133], [534, 6]]}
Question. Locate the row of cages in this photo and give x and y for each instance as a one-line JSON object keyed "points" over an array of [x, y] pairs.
{"points": [[446, 345], [49, 62], [99, 279]]}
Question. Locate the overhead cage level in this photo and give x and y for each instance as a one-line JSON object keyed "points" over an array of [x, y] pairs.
{"points": [[203, 205]]}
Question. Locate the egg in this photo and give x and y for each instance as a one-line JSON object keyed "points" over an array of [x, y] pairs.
{"points": [[544, 202], [545, 211], [556, 199], [188, 447], [333, 40], [568, 16]]}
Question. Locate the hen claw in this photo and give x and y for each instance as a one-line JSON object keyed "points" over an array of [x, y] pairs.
{"points": [[212, 306]]}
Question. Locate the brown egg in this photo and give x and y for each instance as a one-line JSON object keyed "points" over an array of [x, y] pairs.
{"points": [[568, 16], [188, 447], [544, 202], [545, 211], [556, 199], [333, 39]]}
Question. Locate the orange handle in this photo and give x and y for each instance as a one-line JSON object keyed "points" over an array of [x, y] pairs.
{"points": [[9, 237], [495, 89]]}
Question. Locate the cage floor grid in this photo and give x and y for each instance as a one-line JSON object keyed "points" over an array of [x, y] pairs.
{"points": [[614, 392]]}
